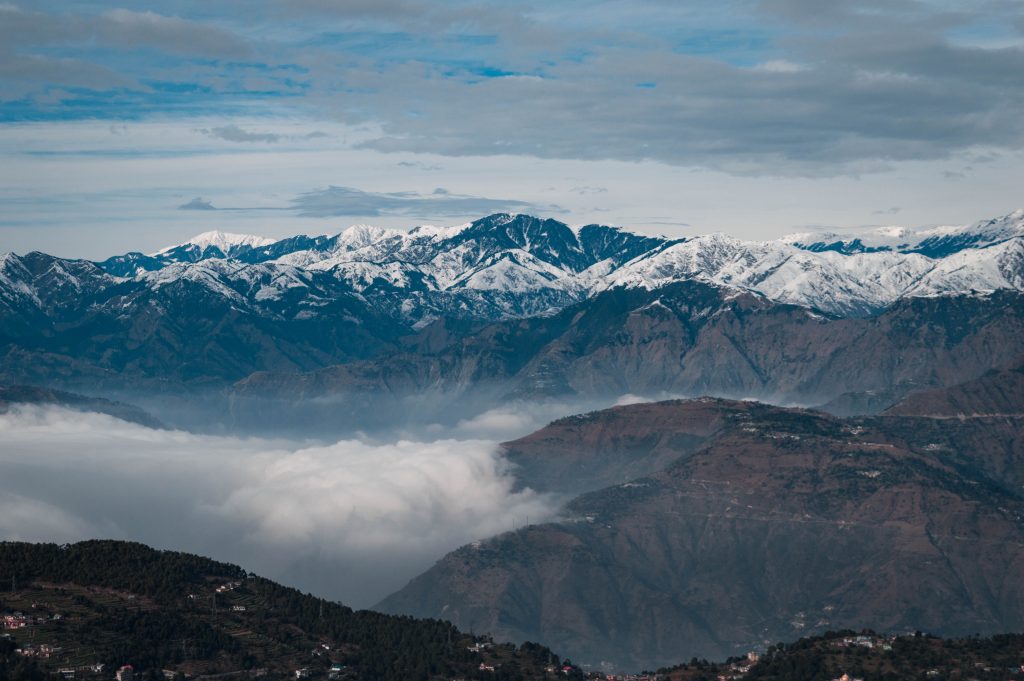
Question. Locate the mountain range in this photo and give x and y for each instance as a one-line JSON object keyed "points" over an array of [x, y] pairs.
{"points": [[513, 306], [515, 265], [553, 263], [704, 526]]}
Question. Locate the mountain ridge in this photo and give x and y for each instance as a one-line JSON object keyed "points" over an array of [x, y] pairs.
{"points": [[93, 606], [686, 339], [520, 256], [434, 309], [759, 522]]}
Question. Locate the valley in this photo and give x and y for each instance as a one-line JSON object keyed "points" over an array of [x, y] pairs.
{"points": [[792, 454]]}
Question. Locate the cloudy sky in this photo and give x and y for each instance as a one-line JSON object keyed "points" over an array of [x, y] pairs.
{"points": [[131, 126]]}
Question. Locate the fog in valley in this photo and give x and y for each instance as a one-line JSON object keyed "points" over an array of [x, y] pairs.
{"points": [[351, 520]]}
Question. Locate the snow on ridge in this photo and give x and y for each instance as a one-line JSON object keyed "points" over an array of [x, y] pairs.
{"points": [[835, 282], [981, 233], [8, 258], [224, 241], [13, 277], [892, 232], [439, 233], [357, 236], [388, 264]]}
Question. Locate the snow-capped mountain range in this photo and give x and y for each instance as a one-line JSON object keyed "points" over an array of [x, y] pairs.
{"points": [[446, 322], [506, 265]]}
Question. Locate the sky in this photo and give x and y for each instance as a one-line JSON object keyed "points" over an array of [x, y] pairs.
{"points": [[133, 126]]}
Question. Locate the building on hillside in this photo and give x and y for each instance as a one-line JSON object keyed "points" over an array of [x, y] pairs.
{"points": [[15, 620]]}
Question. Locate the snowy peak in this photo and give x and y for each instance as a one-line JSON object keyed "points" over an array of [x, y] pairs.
{"points": [[548, 240], [933, 242], [438, 233], [603, 243], [851, 276], [225, 242], [943, 241], [514, 265], [360, 236]]}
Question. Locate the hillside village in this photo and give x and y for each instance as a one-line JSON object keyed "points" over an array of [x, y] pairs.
{"points": [[51, 629], [104, 610]]}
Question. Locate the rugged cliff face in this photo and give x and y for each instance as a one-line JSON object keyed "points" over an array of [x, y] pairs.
{"points": [[759, 524]]}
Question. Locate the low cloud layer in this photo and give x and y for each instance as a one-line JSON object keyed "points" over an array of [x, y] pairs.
{"points": [[351, 520], [350, 201], [347, 201]]}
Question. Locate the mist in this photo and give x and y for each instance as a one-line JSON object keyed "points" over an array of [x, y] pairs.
{"points": [[352, 520]]}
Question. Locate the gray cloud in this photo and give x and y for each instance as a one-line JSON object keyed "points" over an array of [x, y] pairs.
{"points": [[27, 69], [350, 520], [888, 211], [233, 133], [198, 203], [419, 165], [117, 28], [425, 17], [865, 85], [346, 201], [839, 87], [921, 101], [21, 76], [128, 28], [863, 14]]}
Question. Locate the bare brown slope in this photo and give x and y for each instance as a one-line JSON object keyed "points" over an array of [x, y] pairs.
{"points": [[786, 522], [582, 453], [996, 393]]}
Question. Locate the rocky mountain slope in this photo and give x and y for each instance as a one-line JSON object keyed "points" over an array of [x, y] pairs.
{"points": [[746, 524], [210, 322], [684, 339], [610, 447], [994, 394], [515, 265]]}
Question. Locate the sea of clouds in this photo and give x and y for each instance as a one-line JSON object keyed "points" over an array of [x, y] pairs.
{"points": [[351, 520]]}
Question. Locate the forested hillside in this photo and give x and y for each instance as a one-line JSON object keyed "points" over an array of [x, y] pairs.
{"points": [[98, 605]]}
